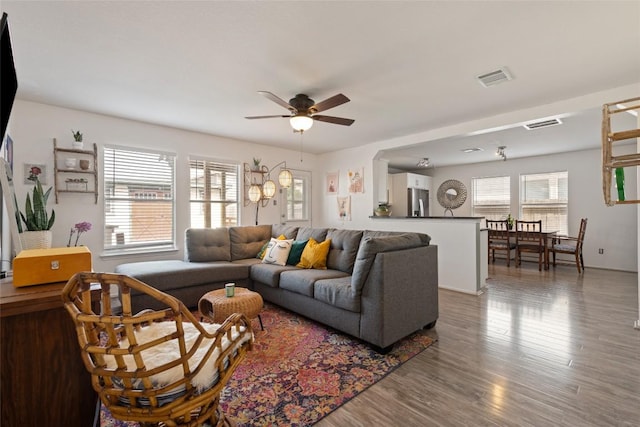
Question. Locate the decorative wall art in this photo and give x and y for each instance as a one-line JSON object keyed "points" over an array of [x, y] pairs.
{"points": [[333, 181], [33, 171], [356, 180], [344, 208]]}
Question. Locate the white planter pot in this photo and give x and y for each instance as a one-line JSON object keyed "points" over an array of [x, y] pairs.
{"points": [[78, 145], [36, 239]]}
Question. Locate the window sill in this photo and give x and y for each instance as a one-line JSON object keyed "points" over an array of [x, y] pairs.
{"points": [[114, 253]]}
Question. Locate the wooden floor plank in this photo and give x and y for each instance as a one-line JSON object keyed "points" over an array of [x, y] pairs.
{"points": [[549, 348]]}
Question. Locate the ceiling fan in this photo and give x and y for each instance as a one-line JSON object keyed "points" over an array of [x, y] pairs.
{"points": [[304, 110]]}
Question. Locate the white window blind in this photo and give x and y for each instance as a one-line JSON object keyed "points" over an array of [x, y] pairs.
{"points": [[139, 199], [491, 197], [298, 197], [213, 193], [545, 196]]}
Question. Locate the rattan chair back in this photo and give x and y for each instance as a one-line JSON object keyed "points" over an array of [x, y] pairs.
{"points": [[131, 393]]}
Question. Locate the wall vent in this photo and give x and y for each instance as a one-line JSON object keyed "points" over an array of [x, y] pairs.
{"points": [[495, 77], [542, 124]]}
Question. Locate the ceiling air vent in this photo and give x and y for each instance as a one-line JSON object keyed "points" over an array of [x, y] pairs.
{"points": [[542, 124], [495, 77]]}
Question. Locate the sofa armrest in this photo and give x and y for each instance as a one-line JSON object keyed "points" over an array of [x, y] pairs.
{"points": [[400, 295]]}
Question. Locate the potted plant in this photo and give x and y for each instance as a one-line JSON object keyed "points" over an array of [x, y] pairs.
{"points": [[256, 164], [37, 231], [383, 209], [77, 139], [510, 222]]}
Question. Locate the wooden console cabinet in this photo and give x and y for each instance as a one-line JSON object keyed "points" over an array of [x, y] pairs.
{"points": [[43, 379]]}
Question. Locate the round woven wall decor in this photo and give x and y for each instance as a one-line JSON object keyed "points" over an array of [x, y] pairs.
{"points": [[452, 194]]}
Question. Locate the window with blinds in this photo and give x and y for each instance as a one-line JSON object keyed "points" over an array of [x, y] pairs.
{"points": [[139, 199], [545, 196], [491, 197], [298, 197], [213, 189]]}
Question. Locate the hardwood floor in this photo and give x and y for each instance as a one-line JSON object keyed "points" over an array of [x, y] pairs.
{"points": [[548, 348]]}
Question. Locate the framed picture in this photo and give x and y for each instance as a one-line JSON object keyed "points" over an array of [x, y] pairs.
{"points": [[333, 182], [344, 208], [356, 180], [33, 171]]}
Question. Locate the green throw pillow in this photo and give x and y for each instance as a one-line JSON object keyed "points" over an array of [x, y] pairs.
{"points": [[296, 252], [261, 253]]}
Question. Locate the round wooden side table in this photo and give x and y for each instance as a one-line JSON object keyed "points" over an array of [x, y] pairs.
{"points": [[216, 306]]}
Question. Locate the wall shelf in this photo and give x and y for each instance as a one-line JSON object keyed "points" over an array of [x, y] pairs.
{"points": [[252, 176], [81, 181]]}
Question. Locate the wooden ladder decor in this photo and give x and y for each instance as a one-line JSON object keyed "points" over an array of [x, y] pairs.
{"points": [[610, 162]]}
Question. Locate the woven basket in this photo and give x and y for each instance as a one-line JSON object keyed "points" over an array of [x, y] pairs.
{"points": [[36, 239]]}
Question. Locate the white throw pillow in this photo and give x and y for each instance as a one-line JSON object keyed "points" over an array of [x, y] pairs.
{"points": [[277, 252]]}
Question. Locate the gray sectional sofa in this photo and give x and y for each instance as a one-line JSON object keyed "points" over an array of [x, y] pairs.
{"points": [[378, 286]]}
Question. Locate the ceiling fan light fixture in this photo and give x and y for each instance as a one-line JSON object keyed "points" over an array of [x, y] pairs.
{"points": [[285, 178], [301, 122]]}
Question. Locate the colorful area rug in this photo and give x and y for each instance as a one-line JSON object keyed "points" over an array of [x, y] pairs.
{"points": [[299, 371]]}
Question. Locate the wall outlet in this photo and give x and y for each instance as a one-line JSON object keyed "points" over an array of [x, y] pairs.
{"points": [[600, 251]]}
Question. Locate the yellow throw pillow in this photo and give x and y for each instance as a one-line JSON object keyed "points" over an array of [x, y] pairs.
{"points": [[315, 255]]}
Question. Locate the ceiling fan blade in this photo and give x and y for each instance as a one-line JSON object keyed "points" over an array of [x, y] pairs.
{"points": [[334, 101], [265, 117], [276, 99], [334, 120]]}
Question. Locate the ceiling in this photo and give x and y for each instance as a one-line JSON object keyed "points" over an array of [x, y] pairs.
{"points": [[407, 67]]}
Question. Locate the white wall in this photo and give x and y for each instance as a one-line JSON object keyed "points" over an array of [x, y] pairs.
{"points": [[609, 228], [33, 127]]}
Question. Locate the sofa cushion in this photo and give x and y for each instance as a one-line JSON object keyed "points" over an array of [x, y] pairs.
{"points": [[207, 244], [315, 254], [344, 247], [268, 274], [277, 251], [337, 292], [370, 246], [289, 231], [424, 238], [296, 252], [263, 250], [305, 233], [246, 241], [302, 281], [172, 274]]}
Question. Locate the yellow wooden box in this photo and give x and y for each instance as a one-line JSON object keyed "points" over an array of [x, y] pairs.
{"points": [[38, 266]]}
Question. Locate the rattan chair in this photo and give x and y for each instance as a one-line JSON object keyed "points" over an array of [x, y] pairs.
{"points": [[158, 367], [529, 239], [500, 239], [571, 246]]}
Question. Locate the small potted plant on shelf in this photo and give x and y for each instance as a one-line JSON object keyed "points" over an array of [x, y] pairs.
{"points": [[256, 164], [37, 221], [77, 139]]}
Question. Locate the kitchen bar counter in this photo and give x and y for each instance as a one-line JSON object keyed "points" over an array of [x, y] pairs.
{"points": [[462, 247]]}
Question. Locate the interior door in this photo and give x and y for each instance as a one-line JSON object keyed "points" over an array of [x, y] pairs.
{"points": [[295, 201]]}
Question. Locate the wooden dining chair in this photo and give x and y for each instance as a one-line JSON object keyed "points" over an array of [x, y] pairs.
{"points": [[500, 239], [157, 367], [529, 240], [571, 246]]}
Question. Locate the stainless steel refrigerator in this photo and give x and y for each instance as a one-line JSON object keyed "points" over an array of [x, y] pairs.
{"points": [[417, 202]]}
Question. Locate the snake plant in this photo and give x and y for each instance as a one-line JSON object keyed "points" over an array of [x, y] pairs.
{"points": [[35, 215]]}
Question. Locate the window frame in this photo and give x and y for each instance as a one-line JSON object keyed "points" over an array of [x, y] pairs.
{"points": [[524, 204], [503, 209], [111, 199], [237, 201]]}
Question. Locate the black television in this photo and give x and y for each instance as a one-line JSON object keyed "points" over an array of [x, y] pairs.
{"points": [[8, 76]]}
